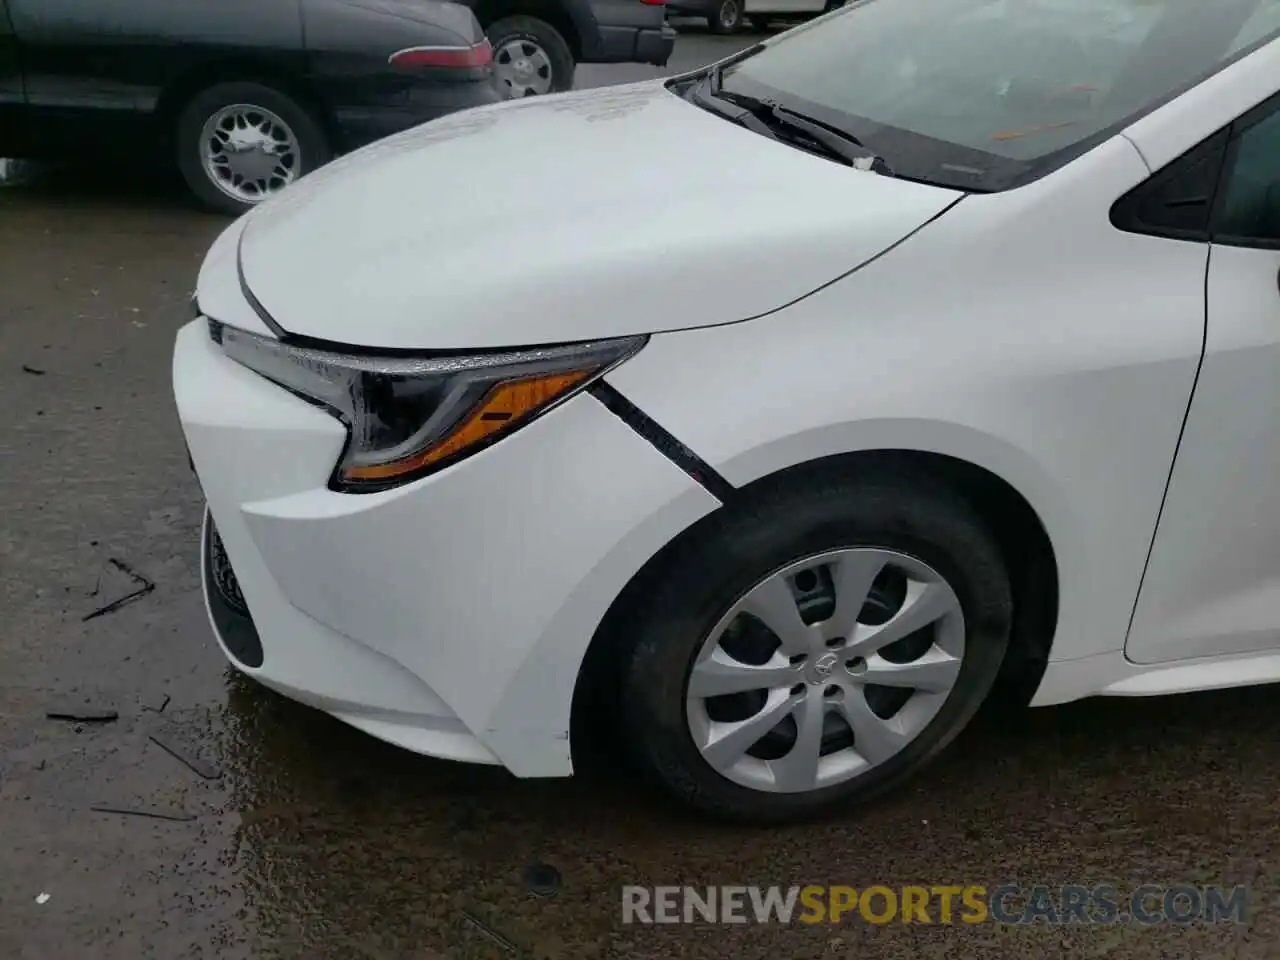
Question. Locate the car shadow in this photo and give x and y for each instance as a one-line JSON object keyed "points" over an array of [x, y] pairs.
{"points": [[94, 184]]}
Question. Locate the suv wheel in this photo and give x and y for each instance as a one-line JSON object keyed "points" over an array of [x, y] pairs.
{"points": [[239, 143], [728, 17], [530, 57]]}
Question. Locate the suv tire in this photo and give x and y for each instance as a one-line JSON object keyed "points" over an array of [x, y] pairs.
{"points": [[530, 57]]}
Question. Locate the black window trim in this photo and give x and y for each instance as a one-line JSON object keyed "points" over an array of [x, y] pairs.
{"points": [[1125, 211], [1237, 129], [1225, 141]]}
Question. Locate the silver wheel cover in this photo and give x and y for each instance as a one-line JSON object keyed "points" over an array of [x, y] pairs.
{"points": [[826, 678], [523, 68], [248, 152]]}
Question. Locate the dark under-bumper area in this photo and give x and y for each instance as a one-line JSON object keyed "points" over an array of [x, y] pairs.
{"points": [[361, 124]]}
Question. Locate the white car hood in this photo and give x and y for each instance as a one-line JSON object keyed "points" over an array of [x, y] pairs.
{"points": [[594, 214]]}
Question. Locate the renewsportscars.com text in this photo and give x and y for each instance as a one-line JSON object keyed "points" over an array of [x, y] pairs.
{"points": [[939, 904]]}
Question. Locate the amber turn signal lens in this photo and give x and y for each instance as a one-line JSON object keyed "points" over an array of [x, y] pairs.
{"points": [[501, 407]]}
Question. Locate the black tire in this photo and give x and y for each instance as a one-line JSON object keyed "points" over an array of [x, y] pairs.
{"points": [[536, 33], [742, 543], [313, 146], [727, 18]]}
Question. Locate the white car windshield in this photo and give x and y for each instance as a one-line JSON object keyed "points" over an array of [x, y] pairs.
{"points": [[988, 94]]}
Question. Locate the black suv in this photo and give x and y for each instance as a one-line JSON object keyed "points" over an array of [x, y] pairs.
{"points": [[537, 43]]}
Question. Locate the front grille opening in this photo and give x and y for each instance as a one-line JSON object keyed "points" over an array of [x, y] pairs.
{"points": [[227, 605]]}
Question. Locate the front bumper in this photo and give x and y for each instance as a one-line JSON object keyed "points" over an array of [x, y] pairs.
{"points": [[449, 616]]}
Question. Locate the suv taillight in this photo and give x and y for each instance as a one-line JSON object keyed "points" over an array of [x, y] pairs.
{"points": [[456, 58]]}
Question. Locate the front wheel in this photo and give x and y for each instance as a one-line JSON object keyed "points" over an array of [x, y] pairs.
{"points": [[815, 646], [530, 57], [239, 143], [728, 17]]}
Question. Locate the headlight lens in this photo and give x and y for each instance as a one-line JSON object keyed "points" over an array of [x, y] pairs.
{"points": [[409, 416]]}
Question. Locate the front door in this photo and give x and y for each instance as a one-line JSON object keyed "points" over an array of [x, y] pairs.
{"points": [[1212, 586], [74, 64]]}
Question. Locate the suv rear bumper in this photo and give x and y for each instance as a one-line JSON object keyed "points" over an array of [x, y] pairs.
{"points": [[631, 45], [626, 31]]}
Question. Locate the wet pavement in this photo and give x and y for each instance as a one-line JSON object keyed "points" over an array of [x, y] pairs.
{"points": [[293, 836]]}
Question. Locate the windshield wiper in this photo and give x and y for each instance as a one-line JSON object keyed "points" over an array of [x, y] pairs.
{"points": [[773, 120], [786, 122]]}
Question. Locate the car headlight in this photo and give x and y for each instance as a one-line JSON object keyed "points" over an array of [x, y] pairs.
{"points": [[408, 416]]}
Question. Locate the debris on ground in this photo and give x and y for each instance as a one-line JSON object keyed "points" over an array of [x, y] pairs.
{"points": [[42, 898], [156, 706], [34, 371], [470, 922], [199, 767], [83, 715], [145, 586], [176, 815]]}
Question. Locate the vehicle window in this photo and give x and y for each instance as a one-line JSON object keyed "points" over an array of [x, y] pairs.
{"points": [[1250, 211], [1177, 202], [987, 94]]}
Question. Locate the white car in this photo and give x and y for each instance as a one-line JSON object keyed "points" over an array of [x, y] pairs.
{"points": [[949, 364]]}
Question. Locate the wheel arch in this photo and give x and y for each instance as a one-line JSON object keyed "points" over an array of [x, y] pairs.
{"points": [[560, 16], [1022, 536], [181, 88]]}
